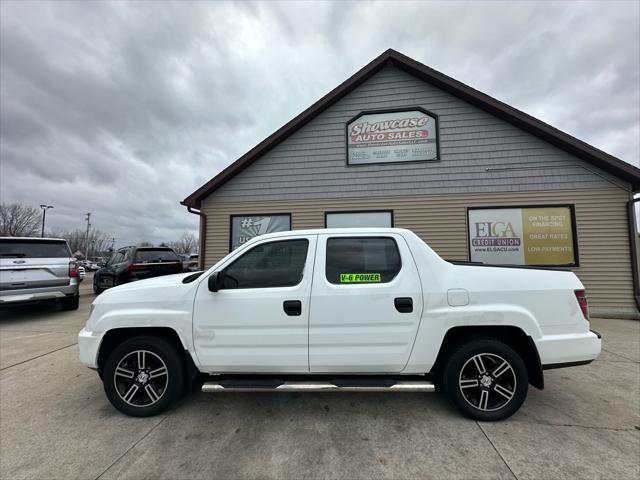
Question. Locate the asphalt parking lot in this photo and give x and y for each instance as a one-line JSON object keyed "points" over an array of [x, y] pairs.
{"points": [[55, 422]]}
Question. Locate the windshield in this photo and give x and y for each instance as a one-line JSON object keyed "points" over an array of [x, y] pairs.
{"points": [[156, 255], [10, 248]]}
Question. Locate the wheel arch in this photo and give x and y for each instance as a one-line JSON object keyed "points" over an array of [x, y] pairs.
{"points": [[512, 336], [114, 337]]}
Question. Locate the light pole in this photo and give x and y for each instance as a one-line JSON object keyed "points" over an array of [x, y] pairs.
{"points": [[88, 226], [44, 214]]}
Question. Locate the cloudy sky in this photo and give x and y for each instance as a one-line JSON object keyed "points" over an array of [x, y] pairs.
{"points": [[124, 109]]}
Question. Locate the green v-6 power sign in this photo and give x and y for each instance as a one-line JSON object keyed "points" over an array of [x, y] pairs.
{"points": [[392, 137]]}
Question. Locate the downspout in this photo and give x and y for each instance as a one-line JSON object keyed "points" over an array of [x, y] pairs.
{"points": [[633, 241], [203, 234]]}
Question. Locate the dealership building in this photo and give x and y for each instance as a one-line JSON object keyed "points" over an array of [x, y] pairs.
{"points": [[400, 144]]}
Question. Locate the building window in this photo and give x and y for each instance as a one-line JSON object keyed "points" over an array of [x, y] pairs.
{"points": [[354, 260], [358, 219], [245, 227], [540, 235], [268, 265]]}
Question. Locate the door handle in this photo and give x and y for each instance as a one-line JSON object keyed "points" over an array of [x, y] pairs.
{"points": [[404, 304], [293, 308]]}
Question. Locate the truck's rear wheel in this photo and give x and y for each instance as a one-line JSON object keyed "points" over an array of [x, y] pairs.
{"points": [[143, 376], [486, 379]]}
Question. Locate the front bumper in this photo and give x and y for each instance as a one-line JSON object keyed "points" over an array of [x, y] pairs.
{"points": [[573, 348], [89, 344]]}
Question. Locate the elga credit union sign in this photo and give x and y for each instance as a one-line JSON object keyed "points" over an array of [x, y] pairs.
{"points": [[399, 136], [522, 236]]}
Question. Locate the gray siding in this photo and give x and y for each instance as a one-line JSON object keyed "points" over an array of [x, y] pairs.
{"points": [[311, 162]]}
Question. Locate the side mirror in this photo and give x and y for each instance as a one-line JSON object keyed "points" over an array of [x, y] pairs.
{"points": [[215, 281]]}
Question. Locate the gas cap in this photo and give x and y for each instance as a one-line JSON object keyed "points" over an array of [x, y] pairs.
{"points": [[457, 297]]}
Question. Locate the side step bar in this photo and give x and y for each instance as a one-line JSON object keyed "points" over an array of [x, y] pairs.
{"points": [[215, 387]]}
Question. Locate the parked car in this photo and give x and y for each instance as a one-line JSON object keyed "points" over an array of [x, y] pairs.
{"points": [[91, 266], [136, 263], [38, 269], [339, 309], [189, 262]]}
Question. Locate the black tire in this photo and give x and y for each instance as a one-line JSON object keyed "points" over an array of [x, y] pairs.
{"points": [[96, 289], [505, 386], [71, 303], [167, 388]]}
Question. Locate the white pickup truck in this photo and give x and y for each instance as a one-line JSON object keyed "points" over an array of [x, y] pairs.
{"points": [[339, 309]]}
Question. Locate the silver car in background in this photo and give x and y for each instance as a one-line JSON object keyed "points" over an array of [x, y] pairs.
{"points": [[189, 262], [38, 269]]}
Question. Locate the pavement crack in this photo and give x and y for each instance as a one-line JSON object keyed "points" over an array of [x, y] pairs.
{"points": [[618, 355], [37, 356], [132, 446], [591, 427], [496, 450]]}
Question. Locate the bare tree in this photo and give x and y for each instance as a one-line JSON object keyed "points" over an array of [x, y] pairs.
{"points": [[17, 220], [99, 242], [145, 243], [187, 243]]}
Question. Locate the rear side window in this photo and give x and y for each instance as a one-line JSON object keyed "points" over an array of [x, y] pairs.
{"points": [[34, 249], [362, 260], [150, 255], [116, 258], [273, 264]]}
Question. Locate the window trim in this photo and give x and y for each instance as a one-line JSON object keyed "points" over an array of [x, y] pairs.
{"points": [[332, 212], [231, 217], [342, 237], [574, 228], [305, 239]]}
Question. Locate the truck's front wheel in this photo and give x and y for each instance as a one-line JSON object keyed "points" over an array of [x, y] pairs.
{"points": [[486, 379], [143, 376]]}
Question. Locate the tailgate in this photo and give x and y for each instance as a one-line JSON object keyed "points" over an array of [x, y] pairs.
{"points": [[156, 269], [20, 273], [155, 261]]}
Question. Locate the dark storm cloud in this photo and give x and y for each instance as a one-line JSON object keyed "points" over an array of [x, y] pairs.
{"points": [[124, 109]]}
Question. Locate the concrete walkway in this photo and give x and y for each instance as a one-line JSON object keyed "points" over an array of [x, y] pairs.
{"points": [[55, 422]]}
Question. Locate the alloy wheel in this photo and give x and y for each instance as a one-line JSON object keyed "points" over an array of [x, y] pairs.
{"points": [[487, 382], [141, 378]]}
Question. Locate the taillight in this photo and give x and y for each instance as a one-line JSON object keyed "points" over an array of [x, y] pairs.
{"points": [[581, 296], [137, 266], [145, 266], [73, 269], [193, 264]]}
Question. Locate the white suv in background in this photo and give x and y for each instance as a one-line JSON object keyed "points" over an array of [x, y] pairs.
{"points": [[38, 269]]}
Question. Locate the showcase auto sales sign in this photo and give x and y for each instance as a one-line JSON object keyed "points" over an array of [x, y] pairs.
{"points": [[392, 137]]}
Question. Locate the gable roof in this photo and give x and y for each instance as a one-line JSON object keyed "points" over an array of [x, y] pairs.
{"points": [[526, 122]]}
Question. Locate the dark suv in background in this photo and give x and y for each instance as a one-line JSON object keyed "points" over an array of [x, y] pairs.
{"points": [[136, 263]]}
